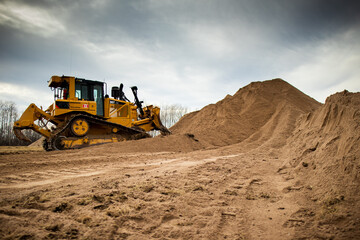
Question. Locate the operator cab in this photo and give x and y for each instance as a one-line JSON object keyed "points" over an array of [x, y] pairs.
{"points": [[77, 89], [91, 91]]}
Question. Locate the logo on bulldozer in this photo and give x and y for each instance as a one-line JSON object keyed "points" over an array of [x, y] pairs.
{"points": [[85, 105]]}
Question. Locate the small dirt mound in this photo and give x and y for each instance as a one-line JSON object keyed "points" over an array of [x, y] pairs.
{"points": [[37, 143], [255, 111], [171, 143]]}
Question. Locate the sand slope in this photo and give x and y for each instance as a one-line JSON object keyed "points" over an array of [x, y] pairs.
{"points": [[255, 110], [324, 152], [328, 141]]}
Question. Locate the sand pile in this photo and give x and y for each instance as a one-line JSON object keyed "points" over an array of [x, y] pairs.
{"points": [[261, 112], [37, 143], [258, 112], [325, 147]]}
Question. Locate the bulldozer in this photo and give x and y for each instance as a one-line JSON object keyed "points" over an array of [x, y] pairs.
{"points": [[82, 115]]}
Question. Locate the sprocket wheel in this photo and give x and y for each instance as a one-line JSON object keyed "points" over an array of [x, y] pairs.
{"points": [[79, 127]]}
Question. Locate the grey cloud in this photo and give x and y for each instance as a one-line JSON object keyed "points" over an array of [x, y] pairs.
{"points": [[229, 42]]}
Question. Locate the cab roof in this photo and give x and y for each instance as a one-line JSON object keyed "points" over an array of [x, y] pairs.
{"points": [[56, 81]]}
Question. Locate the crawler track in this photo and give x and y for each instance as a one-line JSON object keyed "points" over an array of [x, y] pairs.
{"points": [[63, 133]]}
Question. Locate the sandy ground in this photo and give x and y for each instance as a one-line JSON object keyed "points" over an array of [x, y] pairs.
{"points": [[223, 193], [205, 194], [279, 166]]}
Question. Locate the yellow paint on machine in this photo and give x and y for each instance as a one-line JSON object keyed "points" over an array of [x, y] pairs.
{"points": [[83, 115]]}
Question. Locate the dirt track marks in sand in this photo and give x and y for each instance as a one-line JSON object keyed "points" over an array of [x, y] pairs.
{"points": [[31, 179], [201, 195], [42, 178]]}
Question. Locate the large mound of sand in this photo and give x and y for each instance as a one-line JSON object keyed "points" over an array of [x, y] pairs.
{"points": [[259, 111]]}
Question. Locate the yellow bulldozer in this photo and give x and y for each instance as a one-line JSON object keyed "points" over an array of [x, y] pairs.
{"points": [[83, 115]]}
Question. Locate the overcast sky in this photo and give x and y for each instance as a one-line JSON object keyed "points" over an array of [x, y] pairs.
{"points": [[191, 53]]}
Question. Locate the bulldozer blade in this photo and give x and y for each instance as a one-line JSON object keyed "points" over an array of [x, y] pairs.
{"points": [[163, 130], [159, 126], [20, 135]]}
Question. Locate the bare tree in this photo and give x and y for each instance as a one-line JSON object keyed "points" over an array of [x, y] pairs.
{"points": [[8, 115], [170, 114]]}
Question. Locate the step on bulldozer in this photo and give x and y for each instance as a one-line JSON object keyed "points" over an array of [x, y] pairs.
{"points": [[82, 115]]}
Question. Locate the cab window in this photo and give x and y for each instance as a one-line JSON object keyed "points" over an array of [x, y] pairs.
{"points": [[81, 91]]}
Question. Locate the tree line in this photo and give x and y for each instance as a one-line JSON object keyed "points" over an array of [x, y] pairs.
{"points": [[169, 115], [8, 115]]}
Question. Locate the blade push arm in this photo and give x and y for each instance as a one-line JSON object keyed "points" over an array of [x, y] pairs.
{"points": [[27, 121], [137, 102]]}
